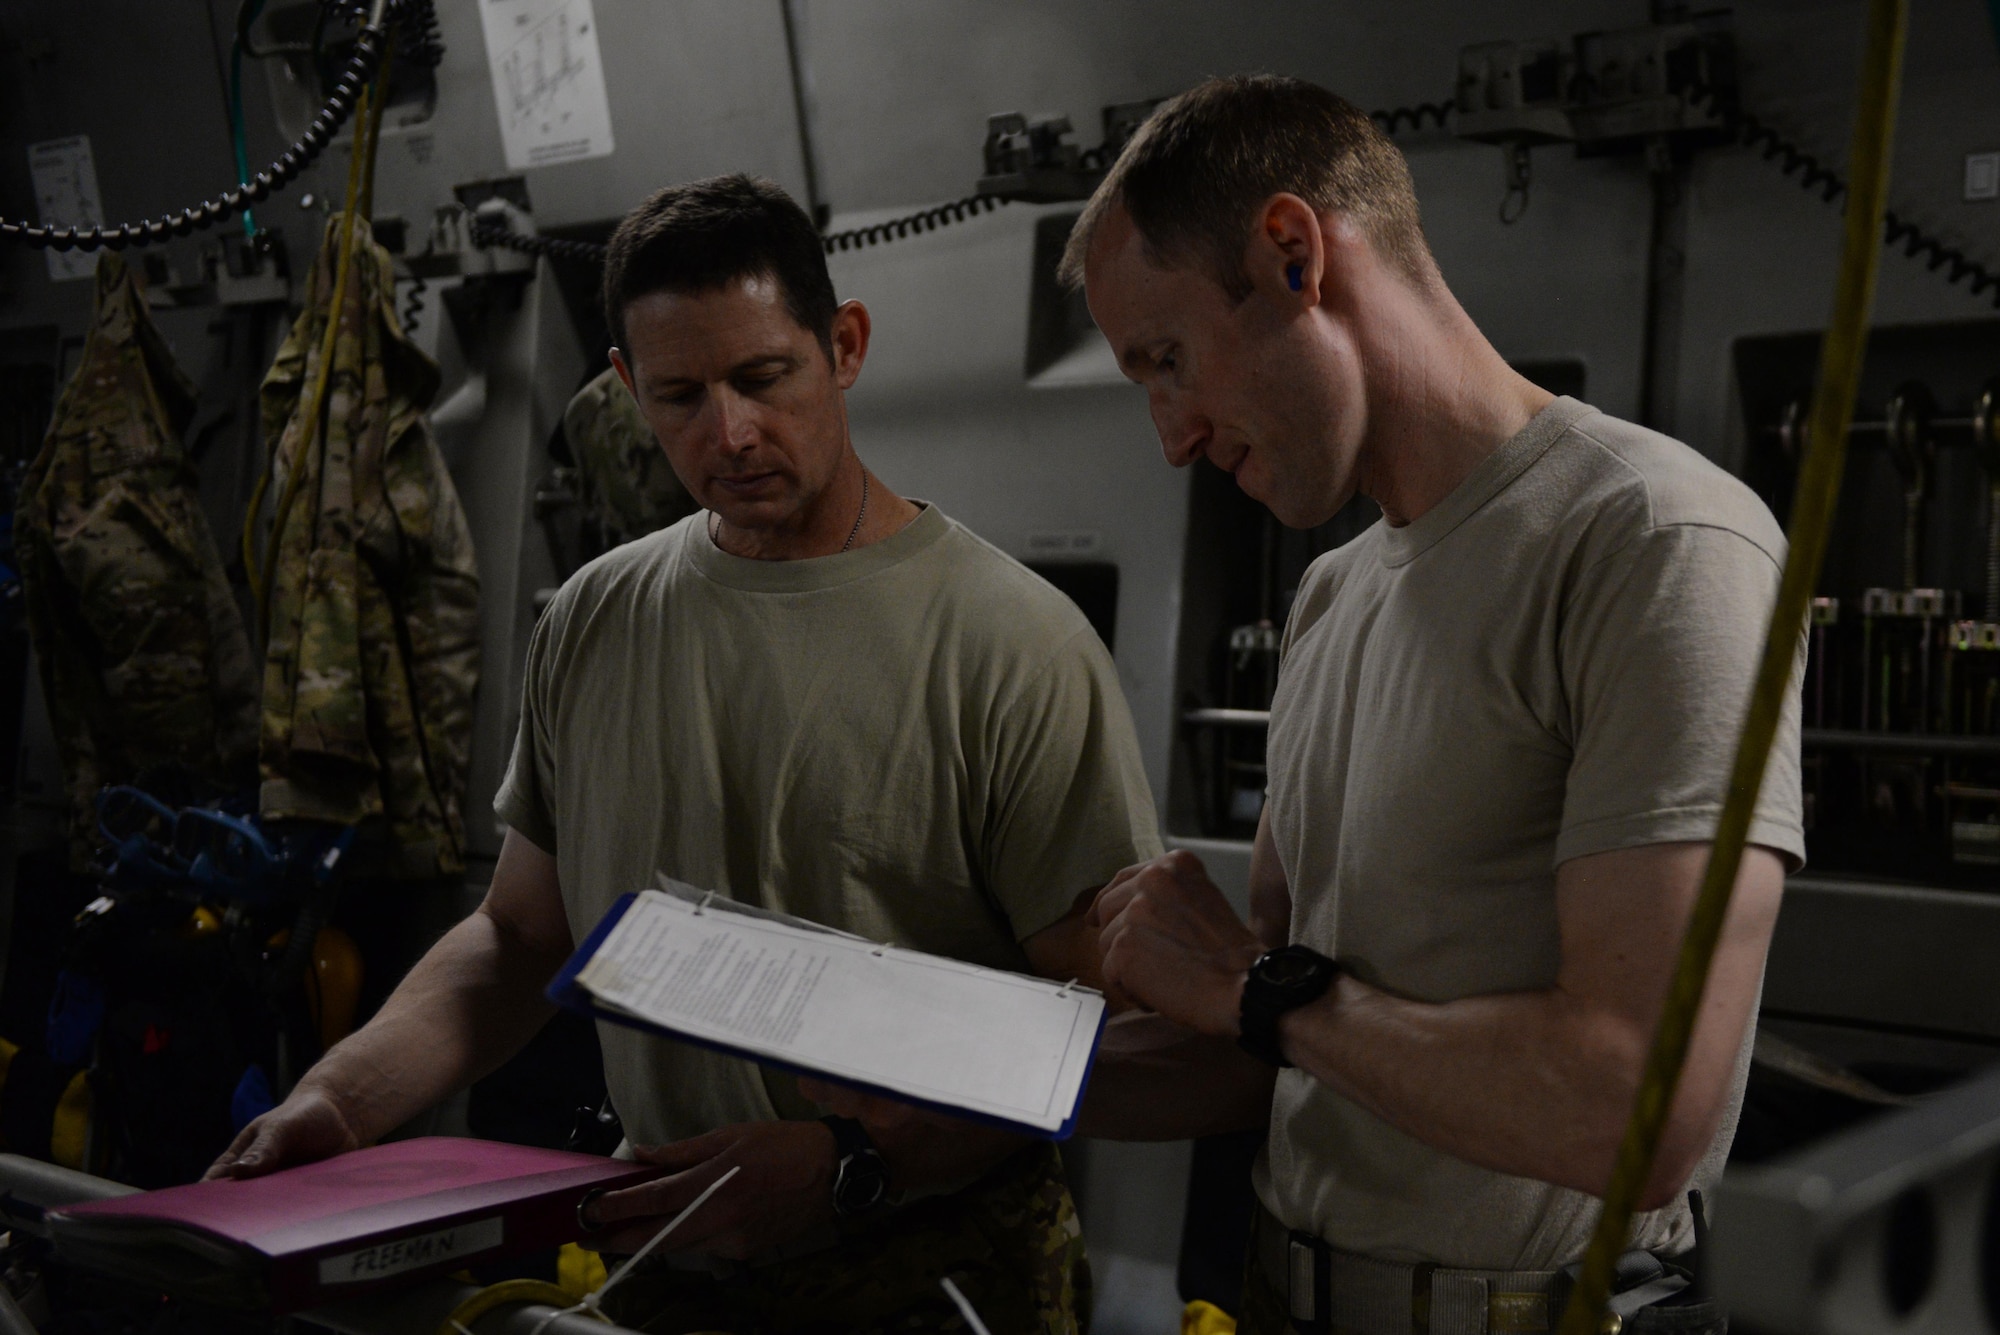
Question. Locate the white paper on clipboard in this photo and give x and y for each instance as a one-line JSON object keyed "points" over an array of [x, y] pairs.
{"points": [[548, 80], [66, 195], [995, 1044]]}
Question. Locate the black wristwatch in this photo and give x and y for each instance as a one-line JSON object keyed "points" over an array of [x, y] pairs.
{"points": [[860, 1178], [1281, 980]]}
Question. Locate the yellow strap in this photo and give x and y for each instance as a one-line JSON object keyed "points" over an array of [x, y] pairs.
{"points": [[1812, 516], [500, 1295], [360, 195], [579, 1271], [1205, 1318]]}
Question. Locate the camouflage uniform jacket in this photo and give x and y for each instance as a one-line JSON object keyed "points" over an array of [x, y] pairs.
{"points": [[625, 483], [143, 656], [372, 657]]}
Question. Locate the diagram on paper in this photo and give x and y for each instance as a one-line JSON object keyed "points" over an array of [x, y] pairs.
{"points": [[548, 80], [65, 180]]}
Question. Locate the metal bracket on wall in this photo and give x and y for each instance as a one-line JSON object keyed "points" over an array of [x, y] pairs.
{"points": [[1034, 160], [1655, 88]]}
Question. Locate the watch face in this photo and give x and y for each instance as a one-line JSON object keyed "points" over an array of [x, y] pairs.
{"points": [[863, 1182], [1287, 970]]}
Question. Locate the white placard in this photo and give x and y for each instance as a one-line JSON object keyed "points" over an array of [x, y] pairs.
{"points": [[548, 80], [66, 195], [1982, 176], [393, 1258]]}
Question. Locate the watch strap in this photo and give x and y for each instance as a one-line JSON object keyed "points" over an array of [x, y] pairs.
{"points": [[1265, 1002], [849, 1138], [1259, 1035], [855, 1162]]}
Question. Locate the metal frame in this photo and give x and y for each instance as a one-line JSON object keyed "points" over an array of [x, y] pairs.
{"points": [[1891, 1227]]}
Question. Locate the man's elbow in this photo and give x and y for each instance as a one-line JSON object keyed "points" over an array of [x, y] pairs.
{"points": [[1683, 1144], [1666, 1187]]}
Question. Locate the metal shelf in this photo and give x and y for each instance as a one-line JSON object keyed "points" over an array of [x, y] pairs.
{"points": [[1228, 718], [1822, 739], [1899, 743]]}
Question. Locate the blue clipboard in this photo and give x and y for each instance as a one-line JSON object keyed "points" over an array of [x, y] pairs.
{"points": [[565, 991]]}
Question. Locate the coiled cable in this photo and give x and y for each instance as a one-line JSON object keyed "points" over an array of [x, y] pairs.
{"points": [[413, 304], [914, 224], [1815, 177], [1395, 118], [362, 66], [484, 233]]}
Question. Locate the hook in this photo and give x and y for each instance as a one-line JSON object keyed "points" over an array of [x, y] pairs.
{"points": [[1518, 172]]}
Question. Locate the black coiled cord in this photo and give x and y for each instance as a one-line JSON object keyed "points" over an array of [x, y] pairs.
{"points": [[485, 234], [1960, 267], [914, 224], [340, 103], [419, 39], [413, 305], [1393, 120], [1815, 177], [855, 238]]}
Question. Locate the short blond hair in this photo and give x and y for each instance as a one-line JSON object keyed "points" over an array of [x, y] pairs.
{"points": [[1194, 174]]}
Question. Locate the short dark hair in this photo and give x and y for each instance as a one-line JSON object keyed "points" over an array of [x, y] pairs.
{"points": [[1194, 174], [706, 234]]}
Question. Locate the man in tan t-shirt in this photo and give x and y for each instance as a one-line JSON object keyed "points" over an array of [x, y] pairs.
{"points": [[1498, 749], [814, 696]]}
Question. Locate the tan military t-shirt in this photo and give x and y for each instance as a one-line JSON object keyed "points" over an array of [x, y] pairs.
{"points": [[918, 741], [1554, 661]]}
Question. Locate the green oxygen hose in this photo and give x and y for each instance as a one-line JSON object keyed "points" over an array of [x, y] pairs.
{"points": [[238, 140], [1812, 516]]}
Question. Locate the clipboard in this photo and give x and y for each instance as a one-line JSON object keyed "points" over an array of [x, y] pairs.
{"points": [[355, 1224], [1085, 1013]]}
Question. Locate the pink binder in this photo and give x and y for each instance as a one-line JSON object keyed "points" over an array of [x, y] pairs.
{"points": [[342, 1227]]}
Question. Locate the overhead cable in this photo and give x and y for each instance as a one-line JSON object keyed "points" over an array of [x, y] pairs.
{"points": [[1815, 177], [361, 67], [485, 233]]}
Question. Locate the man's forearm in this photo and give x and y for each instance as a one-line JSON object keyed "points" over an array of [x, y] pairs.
{"points": [[1155, 1080], [1527, 1083], [469, 1004]]}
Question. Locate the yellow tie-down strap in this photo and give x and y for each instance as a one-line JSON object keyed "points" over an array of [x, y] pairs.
{"points": [[1812, 516]]}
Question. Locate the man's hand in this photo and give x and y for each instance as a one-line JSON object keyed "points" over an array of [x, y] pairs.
{"points": [[923, 1150], [305, 1127], [784, 1190], [468, 1005], [1172, 943], [884, 1118]]}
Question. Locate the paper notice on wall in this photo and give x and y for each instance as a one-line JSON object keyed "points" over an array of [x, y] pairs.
{"points": [[548, 80], [65, 180]]}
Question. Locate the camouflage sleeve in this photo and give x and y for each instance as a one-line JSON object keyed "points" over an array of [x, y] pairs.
{"points": [[526, 799]]}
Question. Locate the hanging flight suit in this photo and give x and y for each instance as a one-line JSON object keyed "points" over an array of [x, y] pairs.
{"points": [[145, 664], [372, 653], [625, 485]]}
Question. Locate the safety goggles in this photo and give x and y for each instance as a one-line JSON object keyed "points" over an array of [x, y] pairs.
{"points": [[140, 829], [227, 852]]}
